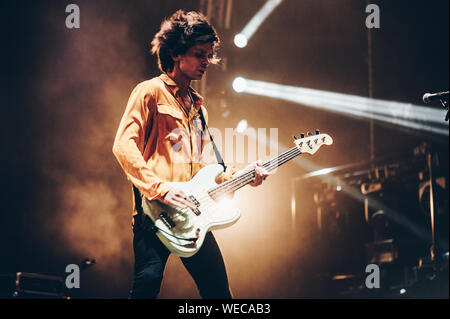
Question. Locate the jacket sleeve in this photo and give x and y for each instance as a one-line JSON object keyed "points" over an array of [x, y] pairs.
{"points": [[130, 142]]}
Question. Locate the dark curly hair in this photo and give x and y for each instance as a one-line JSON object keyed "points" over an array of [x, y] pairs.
{"points": [[180, 32]]}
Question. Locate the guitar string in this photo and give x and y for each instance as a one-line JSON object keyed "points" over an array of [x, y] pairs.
{"points": [[242, 179], [282, 158], [245, 178]]}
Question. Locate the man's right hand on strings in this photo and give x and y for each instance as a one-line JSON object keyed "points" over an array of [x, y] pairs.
{"points": [[176, 197]]}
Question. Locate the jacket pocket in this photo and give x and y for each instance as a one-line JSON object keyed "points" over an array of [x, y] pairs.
{"points": [[170, 110]]}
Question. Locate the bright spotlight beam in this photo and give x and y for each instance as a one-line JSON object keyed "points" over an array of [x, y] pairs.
{"points": [[396, 113], [244, 36]]}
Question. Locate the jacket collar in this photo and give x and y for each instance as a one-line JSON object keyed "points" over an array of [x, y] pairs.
{"points": [[174, 88]]}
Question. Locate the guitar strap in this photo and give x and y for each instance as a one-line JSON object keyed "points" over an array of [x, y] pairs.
{"points": [[216, 151], [204, 126]]}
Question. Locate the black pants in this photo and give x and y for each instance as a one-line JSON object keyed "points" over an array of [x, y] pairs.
{"points": [[206, 266]]}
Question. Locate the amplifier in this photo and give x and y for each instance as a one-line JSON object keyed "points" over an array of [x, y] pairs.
{"points": [[381, 252], [35, 285]]}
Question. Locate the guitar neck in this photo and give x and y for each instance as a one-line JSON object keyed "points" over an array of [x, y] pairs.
{"points": [[223, 190]]}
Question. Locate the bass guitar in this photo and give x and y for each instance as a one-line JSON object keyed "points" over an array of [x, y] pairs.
{"points": [[183, 230]]}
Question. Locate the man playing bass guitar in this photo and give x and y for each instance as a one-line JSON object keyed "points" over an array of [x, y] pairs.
{"points": [[159, 140]]}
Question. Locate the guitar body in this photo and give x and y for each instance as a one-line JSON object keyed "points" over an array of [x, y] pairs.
{"points": [[183, 231]]}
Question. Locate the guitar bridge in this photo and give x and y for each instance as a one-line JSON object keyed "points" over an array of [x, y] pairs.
{"points": [[167, 220]]}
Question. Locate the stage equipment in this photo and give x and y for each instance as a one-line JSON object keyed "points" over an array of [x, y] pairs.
{"points": [[37, 286], [392, 212]]}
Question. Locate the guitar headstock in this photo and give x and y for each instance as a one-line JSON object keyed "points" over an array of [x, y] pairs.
{"points": [[311, 143]]}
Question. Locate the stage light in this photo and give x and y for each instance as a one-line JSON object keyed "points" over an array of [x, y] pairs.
{"points": [[396, 113], [323, 171], [242, 126], [239, 84], [241, 39]]}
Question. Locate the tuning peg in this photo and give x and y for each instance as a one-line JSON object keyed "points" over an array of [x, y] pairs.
{"points": [[309, 134], [317, 132], [302, 135]]}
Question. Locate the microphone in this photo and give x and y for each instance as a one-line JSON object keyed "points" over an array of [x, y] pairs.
{"points": [[429, 97]]}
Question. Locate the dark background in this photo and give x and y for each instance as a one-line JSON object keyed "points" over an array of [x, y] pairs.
{"points": [[64, 196]]}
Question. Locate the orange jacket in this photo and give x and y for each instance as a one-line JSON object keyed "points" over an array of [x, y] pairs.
{"points": [[157, 141]]}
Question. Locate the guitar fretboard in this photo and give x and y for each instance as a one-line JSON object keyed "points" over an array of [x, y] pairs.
{"points": [[223, 190]]}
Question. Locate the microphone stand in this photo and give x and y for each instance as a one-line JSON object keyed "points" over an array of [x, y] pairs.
{"points": [[432, 265], [434, 249], [445, 105]]}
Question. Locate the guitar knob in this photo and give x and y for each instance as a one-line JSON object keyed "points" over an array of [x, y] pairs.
{"points": [[309, 134], [317, 132], [302, 135]]}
